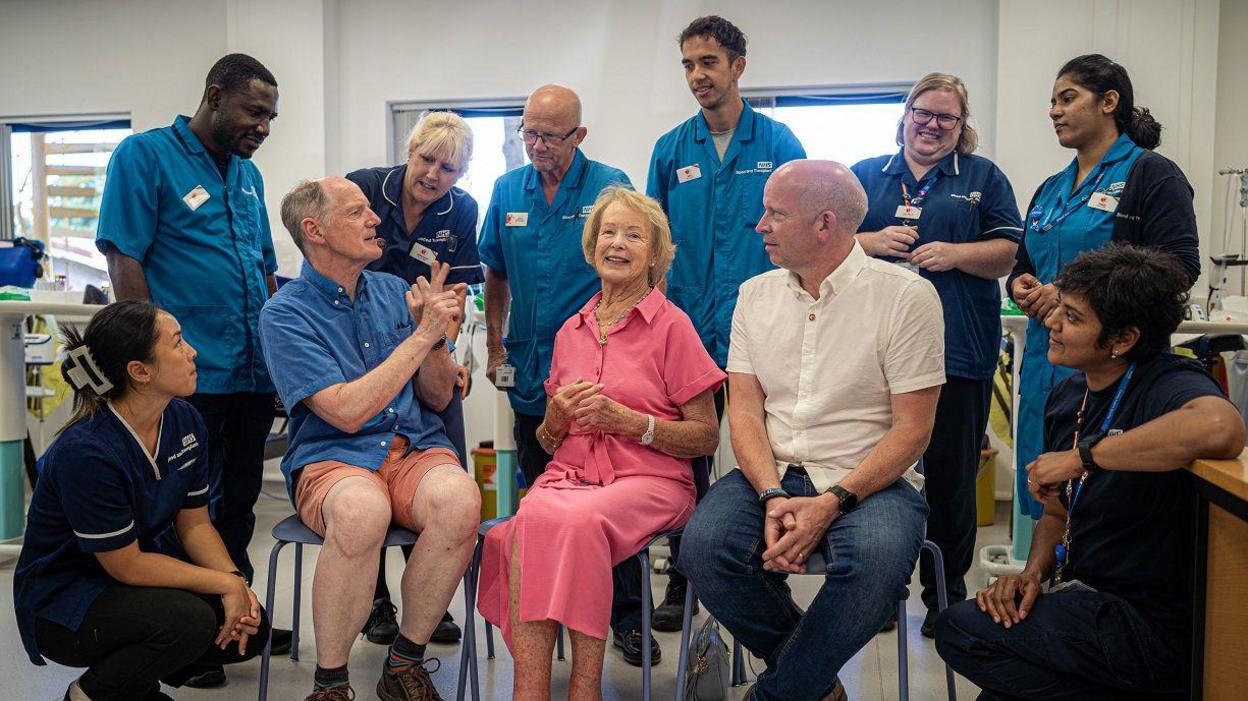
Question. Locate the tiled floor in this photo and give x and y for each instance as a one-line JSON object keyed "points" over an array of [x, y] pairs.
{"points": [[870, 675]]}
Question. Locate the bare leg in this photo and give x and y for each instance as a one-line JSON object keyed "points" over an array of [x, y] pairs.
{"points": [[587, 655], [532, 643], [357, 514], [447, 510]]}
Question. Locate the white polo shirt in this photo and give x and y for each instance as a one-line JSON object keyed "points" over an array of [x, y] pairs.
{"points": [[829, 366]]}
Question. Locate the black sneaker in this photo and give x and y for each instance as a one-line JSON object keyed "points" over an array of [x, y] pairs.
{"points": [[669, 616], [447, 632], [207, 677], [629, 642], [382, 626], [279, 641], [929, 624]]}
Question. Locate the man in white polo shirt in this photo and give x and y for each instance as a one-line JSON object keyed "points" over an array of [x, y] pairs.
{"points": [[835, 365]]}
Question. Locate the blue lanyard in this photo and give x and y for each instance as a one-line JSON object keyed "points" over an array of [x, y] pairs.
{"points": [[928, 183], [1070, 207], [1075, 487]]}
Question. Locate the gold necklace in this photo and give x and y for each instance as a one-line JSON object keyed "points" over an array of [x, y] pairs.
{"points": [[603, 327]]}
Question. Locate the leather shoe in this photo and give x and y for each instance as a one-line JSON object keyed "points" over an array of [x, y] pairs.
{"points": [[447, 632], [209, 677], [279, 641], [629, 642], [929, 624], [670, 614], [382, 626]]}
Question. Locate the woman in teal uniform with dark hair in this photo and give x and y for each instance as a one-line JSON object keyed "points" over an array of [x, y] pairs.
{"points": [[1116, 188]]}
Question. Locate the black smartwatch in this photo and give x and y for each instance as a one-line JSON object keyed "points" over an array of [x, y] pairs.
{"points": [[1085, 450], [849, 500]]}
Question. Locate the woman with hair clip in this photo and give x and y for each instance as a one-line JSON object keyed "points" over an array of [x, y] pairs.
{"points": [[92, 587], [1116, 189], [1103, 608]]}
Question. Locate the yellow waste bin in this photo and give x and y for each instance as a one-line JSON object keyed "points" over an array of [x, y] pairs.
{"points": [[484, 466], [985, 488]]}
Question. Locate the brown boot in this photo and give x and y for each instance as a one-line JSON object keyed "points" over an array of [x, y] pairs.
{"points": [[338, 693], [411, 683]]}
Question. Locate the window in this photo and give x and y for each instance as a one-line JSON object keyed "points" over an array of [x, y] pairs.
{"points": [[496, 148], [54, 178], [845, 124]]}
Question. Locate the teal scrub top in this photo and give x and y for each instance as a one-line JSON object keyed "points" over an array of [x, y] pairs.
{"points": [[713, 215], [538, 248]]}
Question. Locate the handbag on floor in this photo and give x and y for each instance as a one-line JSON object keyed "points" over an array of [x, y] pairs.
{"points": [[709, 664]]}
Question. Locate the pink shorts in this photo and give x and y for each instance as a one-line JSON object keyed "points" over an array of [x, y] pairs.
{"points": [[398, 477]]}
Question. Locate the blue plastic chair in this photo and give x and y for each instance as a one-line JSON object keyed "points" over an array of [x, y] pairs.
{"points": [[292, 530], [468, 654], [816, 565]]}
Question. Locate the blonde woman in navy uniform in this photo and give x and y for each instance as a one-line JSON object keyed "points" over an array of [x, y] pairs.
{"points": [[92, 587], [1115, 189]]}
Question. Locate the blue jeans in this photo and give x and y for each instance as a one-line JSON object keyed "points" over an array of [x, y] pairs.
{"points": [[870, 552], [1072, 646]]}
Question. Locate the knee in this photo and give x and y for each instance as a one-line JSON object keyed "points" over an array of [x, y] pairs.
{"points": [[357, 519], [192, 624], [953, 637], [455, 505], [700, 545]]}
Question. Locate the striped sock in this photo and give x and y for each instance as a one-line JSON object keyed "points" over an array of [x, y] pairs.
{"points": [[330, 678], [403, 654]]}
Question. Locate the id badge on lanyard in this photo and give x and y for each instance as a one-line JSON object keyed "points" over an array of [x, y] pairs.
{"points": [[1070, 208]]}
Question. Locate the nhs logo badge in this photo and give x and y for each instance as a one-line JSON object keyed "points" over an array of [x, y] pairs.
{"points": [[188, 439], [1115, 189], [764, 165]]}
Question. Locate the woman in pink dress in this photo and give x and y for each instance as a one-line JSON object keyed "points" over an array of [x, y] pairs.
{"points": [[629, 404]]}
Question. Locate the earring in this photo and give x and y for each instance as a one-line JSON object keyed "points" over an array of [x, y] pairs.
{"points": [[1113, 354]]}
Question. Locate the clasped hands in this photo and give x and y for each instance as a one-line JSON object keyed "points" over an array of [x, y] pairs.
{"points": [[242, 616], [793, 528], [584, 404], [896, 242], [1035, 298]]}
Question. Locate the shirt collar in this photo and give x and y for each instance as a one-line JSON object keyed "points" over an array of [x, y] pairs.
{"points": [[573, 178], [648, 307], [327, 287], [839, 280], [744, 130], [896, 165], [182, 128], [1122, 147]]}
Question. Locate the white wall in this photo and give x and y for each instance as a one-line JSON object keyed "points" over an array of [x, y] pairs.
{"points": [[1230, 137]]}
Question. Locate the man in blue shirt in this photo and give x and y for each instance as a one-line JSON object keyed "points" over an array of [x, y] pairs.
{"points": [[708, 173], [531, 246], [183, 223], [362, 362]]}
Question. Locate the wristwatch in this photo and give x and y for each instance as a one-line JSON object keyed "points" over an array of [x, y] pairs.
{"points": [[648, 437], [849, 500], [1085, 450]]}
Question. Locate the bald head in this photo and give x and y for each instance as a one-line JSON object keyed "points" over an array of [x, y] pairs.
{"points": [[554, 102], [821, 186]]}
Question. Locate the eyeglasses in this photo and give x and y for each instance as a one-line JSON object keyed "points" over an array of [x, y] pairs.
{"points": [[530, 136], [944, 121]]}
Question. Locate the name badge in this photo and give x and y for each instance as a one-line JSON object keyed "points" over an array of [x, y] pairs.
{"points": [[196, 197], [424, 254], [516, 219], [684, 175], [505, 376], [908, 211], [1103, 202]]}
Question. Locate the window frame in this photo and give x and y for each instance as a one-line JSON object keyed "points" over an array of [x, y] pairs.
{"points": [[473, 107]]}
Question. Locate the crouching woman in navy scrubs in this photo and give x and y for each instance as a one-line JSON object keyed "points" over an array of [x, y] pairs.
{"points": [[92, 588], [1103, 608]]}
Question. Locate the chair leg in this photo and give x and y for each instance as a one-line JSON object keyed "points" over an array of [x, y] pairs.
{"points": [[294, 621], [942, 601], [686, 624], [738, 664], [270, 593], [903, 663], [646, 633], [559, 653], [468, 649]]}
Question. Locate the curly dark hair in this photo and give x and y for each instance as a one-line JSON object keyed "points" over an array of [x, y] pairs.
{"points": [[234, 72], [1130, 287], [719, 29]]}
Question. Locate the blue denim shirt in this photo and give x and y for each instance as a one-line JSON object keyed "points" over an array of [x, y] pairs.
{"points": [[314, 336]]}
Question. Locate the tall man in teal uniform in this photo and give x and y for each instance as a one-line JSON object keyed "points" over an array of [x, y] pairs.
{"points": [[531, 245], [183, 223], [708, 173]]}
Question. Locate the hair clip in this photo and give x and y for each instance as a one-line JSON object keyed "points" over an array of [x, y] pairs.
{"points": [[83, 372]]}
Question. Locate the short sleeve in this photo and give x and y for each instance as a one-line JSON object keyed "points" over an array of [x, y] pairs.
{"points": [[998, 210], [490, 243], [298, 358], [688, 370], [914, 354], [95, 499], [197, 494], [739, 341], [788, 148], [131, 200], [266, 231], [1168, 221], [656, 177], [1178, 389], [466, 261]]}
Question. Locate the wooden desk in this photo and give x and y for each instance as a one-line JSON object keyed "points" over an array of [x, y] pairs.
{"points": [[1220, 611]]}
